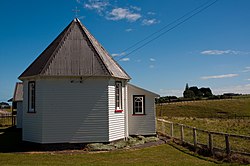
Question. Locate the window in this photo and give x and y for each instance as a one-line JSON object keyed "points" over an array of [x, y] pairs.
{"points": [[118, 95], [31, 97], [139, 104]]}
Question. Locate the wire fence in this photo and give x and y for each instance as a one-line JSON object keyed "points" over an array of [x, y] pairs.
{"points": [[7, 120], [229, 143]]}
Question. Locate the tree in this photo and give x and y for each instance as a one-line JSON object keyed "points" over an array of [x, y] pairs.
{"points": [[196, 91], [206, 92], [188, 94]]}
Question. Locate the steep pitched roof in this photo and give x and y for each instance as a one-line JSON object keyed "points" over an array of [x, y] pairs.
{"points": [[147, 91], [75, 52], [18, 93]]}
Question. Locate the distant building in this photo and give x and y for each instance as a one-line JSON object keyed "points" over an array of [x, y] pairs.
{"points": [[75, 92], [17, 104]]}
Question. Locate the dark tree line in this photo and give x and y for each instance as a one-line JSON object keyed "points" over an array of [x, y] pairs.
{"points": [[195, 92]]}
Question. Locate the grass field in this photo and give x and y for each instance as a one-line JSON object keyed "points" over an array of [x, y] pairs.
{"points": [[15, 154], [196, 114], [159, 155], [207, 109], [229, 116]]}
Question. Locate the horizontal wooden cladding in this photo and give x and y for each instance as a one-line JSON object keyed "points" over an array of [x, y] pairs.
{"points": [[141, 124], [71, 112], [32, 122], [116, 120]]}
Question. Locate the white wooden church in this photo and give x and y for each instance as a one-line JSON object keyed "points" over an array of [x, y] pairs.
{"points": [[75, 92]]}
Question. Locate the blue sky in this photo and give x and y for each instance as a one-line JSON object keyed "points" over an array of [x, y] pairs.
{"points": [[210, 50]]}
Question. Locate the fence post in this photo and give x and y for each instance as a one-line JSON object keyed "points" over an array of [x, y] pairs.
{"points": [[210, 143], [172, 129], [182, 134], [163, 128], [228, 150], [195, 138]]}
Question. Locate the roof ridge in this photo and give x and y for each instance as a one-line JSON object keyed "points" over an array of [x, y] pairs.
{"points": [[46, 50], [87, 33], [90, 36], [91, 60]]}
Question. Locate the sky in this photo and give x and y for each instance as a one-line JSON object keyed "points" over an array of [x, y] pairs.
{"points": [[210, 49]]}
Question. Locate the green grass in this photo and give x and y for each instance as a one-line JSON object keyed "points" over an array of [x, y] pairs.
{"points": [[229, 116], [231, 126], [10, 141], [159, 155], [206, 109]]}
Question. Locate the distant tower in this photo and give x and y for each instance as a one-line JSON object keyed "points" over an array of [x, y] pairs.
{"points": [[187, 87]]}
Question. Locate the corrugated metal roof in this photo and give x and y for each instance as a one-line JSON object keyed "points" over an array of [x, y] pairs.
{"points": [[18, 93], [75, 52]]}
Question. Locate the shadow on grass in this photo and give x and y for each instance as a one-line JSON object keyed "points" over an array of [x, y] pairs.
{"points": [[11, 141]]}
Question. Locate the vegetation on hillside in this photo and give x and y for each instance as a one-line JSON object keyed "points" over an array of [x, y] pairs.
{"points": [[231, 108], [195, 92], [229, 116]]}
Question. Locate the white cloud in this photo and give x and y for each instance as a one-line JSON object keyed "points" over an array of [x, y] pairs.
{"points": [[151, 13], [150, 21], [152, 59], [241, 89], [114, 55], [135, 8], [97, 5], [219, 76], [124, 59], [120, 54], [122, 13], [224, 52], [248, 79], [114, 12], [247, 69], [129, 30]]}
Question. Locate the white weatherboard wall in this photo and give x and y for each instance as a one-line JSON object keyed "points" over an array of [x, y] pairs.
{"points": [[71, 112], [116, 120], [32, 122], [141, 124], [19, 114]]}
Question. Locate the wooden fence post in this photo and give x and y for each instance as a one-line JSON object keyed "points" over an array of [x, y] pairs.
{"points": [[228, 150], [172, 129], [195, 138], [182, 134], [210, 143], [163, 127]]}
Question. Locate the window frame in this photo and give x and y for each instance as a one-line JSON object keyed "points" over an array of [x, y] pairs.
{"points": [[30, 98], [143, 105], [118, 107]]}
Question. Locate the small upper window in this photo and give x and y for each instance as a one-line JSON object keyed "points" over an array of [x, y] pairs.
{"points": [[139, 104], [31, 96], [118, 95]]}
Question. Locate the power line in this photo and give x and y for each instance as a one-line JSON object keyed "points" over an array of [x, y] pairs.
{"points": [[136, 49], [161, 34], [152, 34]]}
